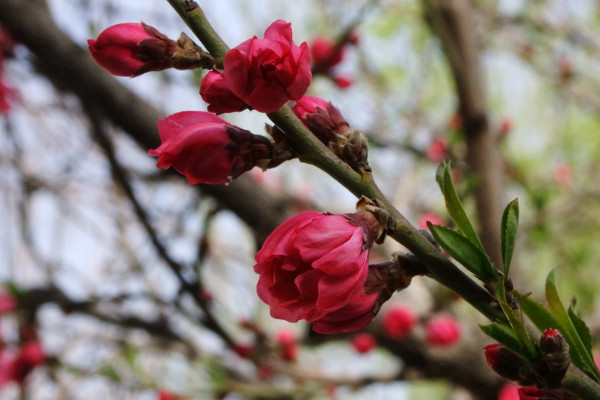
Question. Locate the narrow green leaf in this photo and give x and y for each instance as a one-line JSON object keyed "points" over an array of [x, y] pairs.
{"points": [[465, 252], [515, 318], [506, 337], [454, 205], [581, 356], [508, 233], [536, 312], [581, 328]]}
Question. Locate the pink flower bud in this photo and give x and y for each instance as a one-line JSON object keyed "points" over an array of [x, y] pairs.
{"points": [[308, 105], [442, 330], [343, 82], [503, 361], [363, 343], [437, 149], [535, 393], [325, 54], [266, 73], [286, 337], [8, 96], [7, 303], [398, 322], [132, 49], [244, 350], [314, 267], [216, 93], [164, 394], [203, 147], [563, 175], [429, 217], [29, 356], [509, 392]]}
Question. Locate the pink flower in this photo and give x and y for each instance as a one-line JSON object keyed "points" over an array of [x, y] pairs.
{"points": [[398, 322], [216, 93], [509, 392], [308, 105], [268, 72], [343, 82], [363, 343], [203, 147], [29, 356], [563, 175], [442, 330], [314, 267], [132, 49], [429, 217], [325, 54], [7, 303], [8, 95], [535, 393], [437, 149], [164, 394]]}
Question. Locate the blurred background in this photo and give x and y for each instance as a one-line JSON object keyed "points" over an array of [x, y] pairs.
{"points": [[134, 284]]}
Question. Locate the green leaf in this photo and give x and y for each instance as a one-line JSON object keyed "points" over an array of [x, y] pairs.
{"points": [[109, 372], [581, 355], [506, 337], [454, 205], [580, 326], [465, 252], [536, 312], [508, 233], [515, 318]]}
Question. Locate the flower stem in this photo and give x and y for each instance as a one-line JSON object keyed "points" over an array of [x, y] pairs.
{"points": [[580, 385], [194, 17]]}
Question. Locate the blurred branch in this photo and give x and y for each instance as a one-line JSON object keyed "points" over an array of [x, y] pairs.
{"points": [[120, 176], [71, 68], [453, 23]]}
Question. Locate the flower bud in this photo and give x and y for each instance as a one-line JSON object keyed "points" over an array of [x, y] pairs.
{"points": [[314, 267], [555, 357], [442, 331], [216, 93], [207, 149], [506, 363], [328, 124], [535, 393], [266, 73], [398, 322], [325, 54], [363, 343]]}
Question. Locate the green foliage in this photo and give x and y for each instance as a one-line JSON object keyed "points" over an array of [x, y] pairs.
{"points": [[465, 252], [573, 329], [508, 233]]}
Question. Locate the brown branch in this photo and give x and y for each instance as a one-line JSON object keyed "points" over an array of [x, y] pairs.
{"points": [[452, 21]]}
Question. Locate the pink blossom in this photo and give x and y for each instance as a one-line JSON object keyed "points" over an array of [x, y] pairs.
{"points": [[563, 175], [429, 217], [398, 321], [7, 303], [442, 330], [363, 343], [203, 147], [216, 93], [343, 82], [509, 392], [266, 73], [132, 49], [314, 267], [308, 105], [325, 54], [437, 149]]}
